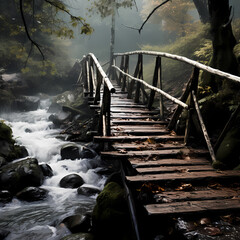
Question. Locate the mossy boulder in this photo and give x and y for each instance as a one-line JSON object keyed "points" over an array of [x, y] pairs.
{"points": [[16, 176], [8, 150], [78, 236], [5, 132], [110, 215], [228, 153]]}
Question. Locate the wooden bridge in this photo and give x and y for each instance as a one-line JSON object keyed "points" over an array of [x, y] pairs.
{"points": [[163, 175]]}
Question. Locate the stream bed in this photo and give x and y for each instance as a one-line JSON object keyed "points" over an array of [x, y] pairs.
{"points": [[38, 220]]}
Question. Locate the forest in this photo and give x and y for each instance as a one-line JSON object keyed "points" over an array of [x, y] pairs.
{"points": [[72, 166]]}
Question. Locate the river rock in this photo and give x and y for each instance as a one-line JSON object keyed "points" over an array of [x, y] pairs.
{"points": [[31, 194], [17, 175], [24, 104], [87, 153], [5, 196], [111, 215], [2, 161], [54, 108], [88, 191], [77, 236], [70, 151], [71, 181], [78, 223], [47, 170], [3, 234]]}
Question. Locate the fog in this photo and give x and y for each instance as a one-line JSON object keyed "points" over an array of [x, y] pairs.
{"points": [[126, 39]]}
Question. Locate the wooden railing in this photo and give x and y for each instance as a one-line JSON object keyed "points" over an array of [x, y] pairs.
{"points": [[94, 81], [189, 93]]}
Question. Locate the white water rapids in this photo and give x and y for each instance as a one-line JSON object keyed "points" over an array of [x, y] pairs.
{"points": [[36, 220]]}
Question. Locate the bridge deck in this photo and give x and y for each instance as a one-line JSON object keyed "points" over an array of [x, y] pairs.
{"points": [[180, 178]]}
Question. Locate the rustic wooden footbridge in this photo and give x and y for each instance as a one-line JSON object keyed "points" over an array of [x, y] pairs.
{"points": [[163, 175]]}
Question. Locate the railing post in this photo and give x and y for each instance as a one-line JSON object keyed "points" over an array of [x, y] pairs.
{"points": [[126, 70], [91, 77], [98, 87], [132, 83], [154, 82], [183, 98], [194, 87], [140, 76], [120, 78], [106, 104], [161, 87]]}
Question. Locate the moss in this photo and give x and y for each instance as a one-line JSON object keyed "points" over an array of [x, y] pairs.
{"points": [[110, 215], [228, 152], [79, 236], [5, 132]]}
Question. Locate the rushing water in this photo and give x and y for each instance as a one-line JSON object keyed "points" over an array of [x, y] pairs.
{"points": [[37, 220]]}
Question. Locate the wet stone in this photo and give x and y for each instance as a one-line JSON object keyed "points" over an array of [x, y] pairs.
{"points": [[3, 234], [31, 194], [70, 151], [71, 181], [47, 170], [78, 223], [5, 196], [88, 191]]}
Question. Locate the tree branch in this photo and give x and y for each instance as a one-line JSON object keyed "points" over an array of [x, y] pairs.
{"points": [[150, 14], [27, 32]]}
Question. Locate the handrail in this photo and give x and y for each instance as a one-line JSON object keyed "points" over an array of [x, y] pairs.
{"points": [[93, 78], [173, 99], [104, 75], [188, 95], [186, 60]]}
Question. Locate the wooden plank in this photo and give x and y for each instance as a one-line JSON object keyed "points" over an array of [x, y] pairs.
{"points": [[186, 177], [142, 163], [159, 154], [138, 122], [146, 146], [125, 116], [199, 195], [138, 127], [164, 169], [142, 132], [194, 207], [137, 138], [120, 105], [133, 111]]}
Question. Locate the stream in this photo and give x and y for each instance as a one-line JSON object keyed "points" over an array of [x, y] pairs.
{"points": [[37, 220]]}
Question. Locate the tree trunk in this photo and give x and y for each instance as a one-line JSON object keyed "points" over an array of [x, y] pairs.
{"points": [[202, 8], [223, 42]]}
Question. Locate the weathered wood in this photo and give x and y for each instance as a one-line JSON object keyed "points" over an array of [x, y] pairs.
{"points": [[157, 170], [175, 100], [91, 77], [132, 83], [204, 130], [163, 138], [138, 122], [126, 69], [140, 76], [98, 87], [133, 110], [183, 98], [119, 81], [158, 153], [126, 116], [186, 60], [194, 207], [186, 177], [142, 132], [208, 194], [146, 146], [142, 163], [154, 82], [104, 76]]}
